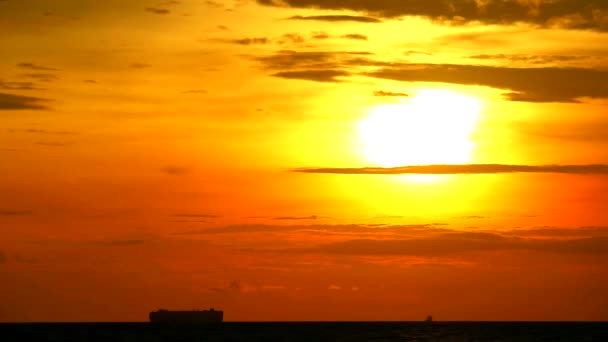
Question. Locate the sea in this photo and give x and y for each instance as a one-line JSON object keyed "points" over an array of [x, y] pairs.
{"points": [[307, 331]]}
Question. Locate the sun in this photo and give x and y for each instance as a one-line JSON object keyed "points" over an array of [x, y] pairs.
{"points": [[434, 127]]}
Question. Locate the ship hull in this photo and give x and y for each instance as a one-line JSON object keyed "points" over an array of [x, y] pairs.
{"points": [[165, 316]]}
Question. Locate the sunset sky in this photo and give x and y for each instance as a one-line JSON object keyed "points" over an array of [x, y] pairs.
{"points": [[304, 159]]}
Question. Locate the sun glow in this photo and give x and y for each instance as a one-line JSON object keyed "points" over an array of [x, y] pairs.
{"points": [[434, 127]]}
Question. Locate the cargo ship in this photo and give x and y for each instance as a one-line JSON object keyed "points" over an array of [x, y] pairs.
{"points": [[194, 316]]}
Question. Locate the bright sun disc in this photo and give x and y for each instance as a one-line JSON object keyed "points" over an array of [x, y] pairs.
{"points": [[435, 127]]}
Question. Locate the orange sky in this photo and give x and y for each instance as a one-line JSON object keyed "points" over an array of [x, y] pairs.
{"points": [[247, 155]]}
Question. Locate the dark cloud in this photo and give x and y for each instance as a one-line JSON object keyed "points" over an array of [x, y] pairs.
{"points": [[320, 66], [454, 244], [381, 93], [354, 36], [19, 86], [293, 38], [90, 81], [224, 28], [2, 258], [33, 66], [15, 213], [556, 232], [175, 170], [235, 286], [336, 18], [530, 59], [598, 169], [20, 102], [550, 84], [290, 60], [570, 14], [314, 75], [248, 41], [157, 10]]}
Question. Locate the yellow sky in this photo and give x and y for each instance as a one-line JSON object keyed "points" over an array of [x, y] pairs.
{"points": [[151, 155]]}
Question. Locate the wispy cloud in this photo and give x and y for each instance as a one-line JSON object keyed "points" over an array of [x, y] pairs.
{"points": [[155, 10], [381, 93], [598, 169], [197, 215], [33, 66], [335, 18], [175, 170], [292, 218], [119, 243], [20, 102], [314, 75], [569, 14], [550, 84], [355, 36], [15, 212]]}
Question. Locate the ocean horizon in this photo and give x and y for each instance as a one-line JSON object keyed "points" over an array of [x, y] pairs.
{"points": [[301, 331]]}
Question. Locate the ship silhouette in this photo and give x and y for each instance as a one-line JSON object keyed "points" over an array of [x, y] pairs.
{"points": [[194, 316]]}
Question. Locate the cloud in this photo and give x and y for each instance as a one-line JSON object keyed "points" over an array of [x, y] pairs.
{"points": [[19, 86], [194, 91], [196, 215], [123, 243], [248, 41], [2, 258], [236, 286], [33, 66], [336, 229], [289, 60], [531, 59], [41, 77], [355, 36], [336, 18], [598, 169], [381, 93], [334, 287], [314, 75], [569, 14], [52, 143], [41, 131], [320, 35], [550, 84], [223, 28], [293, 38], [312, 217], [155, 10], [454, 244], [20, 102], [137, 65], [175, 170], [556, 232]]}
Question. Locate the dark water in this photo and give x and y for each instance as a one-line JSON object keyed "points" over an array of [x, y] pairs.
{"points": [[307, 331]]}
